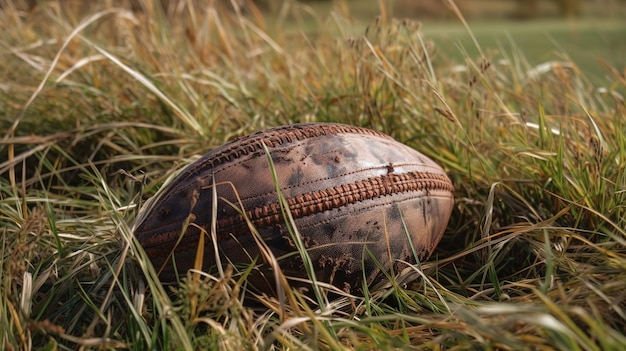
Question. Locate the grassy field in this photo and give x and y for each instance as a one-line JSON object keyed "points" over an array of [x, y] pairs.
{"points": [[590, 41], [590, 44], [99, 105]]}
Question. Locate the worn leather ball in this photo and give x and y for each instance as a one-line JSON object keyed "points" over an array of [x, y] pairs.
{"points": [[360, 201]]}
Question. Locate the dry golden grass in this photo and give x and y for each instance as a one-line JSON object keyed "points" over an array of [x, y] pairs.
{"points": [[100, 104]]}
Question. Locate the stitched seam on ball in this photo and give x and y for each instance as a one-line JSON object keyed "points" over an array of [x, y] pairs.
{"points": [[322, 200], [361, 210], [338, 176], [342, 195]]}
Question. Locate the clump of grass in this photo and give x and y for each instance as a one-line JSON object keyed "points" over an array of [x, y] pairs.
{"points": [[100, 104]]}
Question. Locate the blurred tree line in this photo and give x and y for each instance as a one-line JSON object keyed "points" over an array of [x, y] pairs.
{"points": [[567, 8], [423, 9], [439, 9]]}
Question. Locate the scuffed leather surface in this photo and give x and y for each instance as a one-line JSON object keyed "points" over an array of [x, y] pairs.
{"points": [[347, 188]]}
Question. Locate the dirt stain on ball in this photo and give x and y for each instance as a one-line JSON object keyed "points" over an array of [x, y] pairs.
{"points": [[360, 201]]}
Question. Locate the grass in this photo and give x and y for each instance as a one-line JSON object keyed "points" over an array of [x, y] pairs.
{"points": [[591, 43], [100, 105]]}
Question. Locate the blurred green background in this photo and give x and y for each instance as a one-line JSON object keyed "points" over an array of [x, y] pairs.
{"points": [[590, 33]]}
